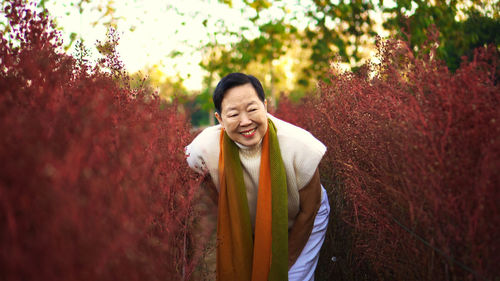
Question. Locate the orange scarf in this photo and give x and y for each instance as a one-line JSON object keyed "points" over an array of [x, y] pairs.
{"points": [[239, 257]]}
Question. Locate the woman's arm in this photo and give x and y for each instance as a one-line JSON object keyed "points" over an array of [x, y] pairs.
{"points": [[310, 201]]}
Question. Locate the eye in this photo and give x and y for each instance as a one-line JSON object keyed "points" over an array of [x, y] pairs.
{"points": [[252, 109]]}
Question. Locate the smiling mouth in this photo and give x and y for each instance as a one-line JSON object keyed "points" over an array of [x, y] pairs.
{"points": [[249, 133]]}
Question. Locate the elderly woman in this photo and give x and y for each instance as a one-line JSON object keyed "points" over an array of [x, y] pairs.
{"points": [[272, 209]]}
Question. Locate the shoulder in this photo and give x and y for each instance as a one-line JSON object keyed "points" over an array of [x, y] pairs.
{"points": [[296, 137], [209, 134], [203, 151], [300, 150]]}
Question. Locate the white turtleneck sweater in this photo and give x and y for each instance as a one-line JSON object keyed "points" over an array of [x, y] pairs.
{"points": [[301, 153]]}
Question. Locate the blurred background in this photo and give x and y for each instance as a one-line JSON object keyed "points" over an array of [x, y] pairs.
{"points": [[184, 47]]}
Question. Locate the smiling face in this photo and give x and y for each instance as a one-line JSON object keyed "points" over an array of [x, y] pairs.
{"points": [[243, 115]]}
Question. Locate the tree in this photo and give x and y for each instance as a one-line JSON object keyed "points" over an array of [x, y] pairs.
{"points": [[462, 25], [343, 29], [153, 79], [339, 29]]}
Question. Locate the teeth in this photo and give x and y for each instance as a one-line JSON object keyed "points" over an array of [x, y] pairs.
{"points": [[248, 133]]}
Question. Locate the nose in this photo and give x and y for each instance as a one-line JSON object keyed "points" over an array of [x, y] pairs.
{"points": [[245, 121]]}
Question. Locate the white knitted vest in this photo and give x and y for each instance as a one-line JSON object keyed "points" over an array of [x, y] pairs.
{"points": [[301, 153]]}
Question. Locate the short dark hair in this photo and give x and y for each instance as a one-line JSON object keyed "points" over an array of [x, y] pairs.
{"points": [[234, 80]]}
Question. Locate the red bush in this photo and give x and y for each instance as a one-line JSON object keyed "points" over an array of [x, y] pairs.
{"points": [[93, 181], [412, 166]]}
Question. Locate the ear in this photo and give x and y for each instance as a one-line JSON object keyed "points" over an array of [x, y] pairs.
{"points": [[265, 104], [219, 118]]}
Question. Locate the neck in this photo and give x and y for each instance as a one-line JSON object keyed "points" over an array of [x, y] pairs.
{"points": [[249, 149]]}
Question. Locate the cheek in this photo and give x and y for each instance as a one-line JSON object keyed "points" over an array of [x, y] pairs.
{"points": [[263, 124], [230, 125], [263, 118]]}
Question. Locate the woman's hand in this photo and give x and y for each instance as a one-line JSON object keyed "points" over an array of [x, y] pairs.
{"points": [[310, 201]]}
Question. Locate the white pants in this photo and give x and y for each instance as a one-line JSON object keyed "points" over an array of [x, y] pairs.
{"points": [[304, 267]]}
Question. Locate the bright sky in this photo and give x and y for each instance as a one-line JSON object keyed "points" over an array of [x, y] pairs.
{"points": [[150, 30]]}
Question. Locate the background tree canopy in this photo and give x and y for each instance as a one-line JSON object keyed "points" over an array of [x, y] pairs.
{"points": [[289, 45], [347, 28]]}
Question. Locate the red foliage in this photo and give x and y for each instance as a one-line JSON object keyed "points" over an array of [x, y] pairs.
{"points": [[93, 181], [415, 154]]}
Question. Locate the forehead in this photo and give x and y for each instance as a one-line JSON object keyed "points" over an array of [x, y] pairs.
{"points": [[239, 96]]}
